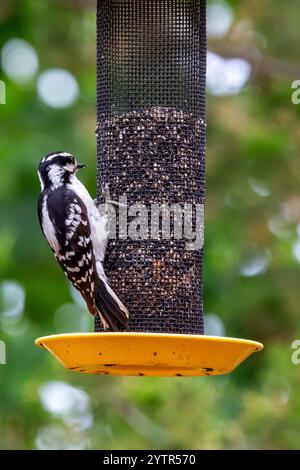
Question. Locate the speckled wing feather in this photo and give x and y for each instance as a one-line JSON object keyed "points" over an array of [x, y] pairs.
{"points": [[68, 215]]}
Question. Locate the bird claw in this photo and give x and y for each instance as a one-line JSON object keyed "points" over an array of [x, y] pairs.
{"points": [[106, 193], [107, 201]]}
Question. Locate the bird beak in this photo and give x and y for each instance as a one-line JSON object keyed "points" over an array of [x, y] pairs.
{"points": [[80, 165]]}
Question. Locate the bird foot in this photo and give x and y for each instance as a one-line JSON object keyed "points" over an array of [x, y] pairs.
{"points": [[107, 200]]}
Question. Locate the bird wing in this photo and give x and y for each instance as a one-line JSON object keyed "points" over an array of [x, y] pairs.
{"points": [[69, 216]]}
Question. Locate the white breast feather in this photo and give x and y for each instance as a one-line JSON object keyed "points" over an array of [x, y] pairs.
{"points": [[48, 228], [98, 223]]}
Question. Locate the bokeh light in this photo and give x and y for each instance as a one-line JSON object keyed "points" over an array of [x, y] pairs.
{"points": [[226, 76], [19, 60], [68, 402], [254, 261], [213, 325], [296, 250], [279, 227], [219, 19], [58, 88], [56, 437], [12, 299], [72, 317], [259, 187]]}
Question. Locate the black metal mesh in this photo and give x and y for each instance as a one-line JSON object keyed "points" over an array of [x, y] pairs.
{"points": [[151, 62]]}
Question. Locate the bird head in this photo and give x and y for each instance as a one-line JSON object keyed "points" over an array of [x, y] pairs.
{"points": [[57, 168]]}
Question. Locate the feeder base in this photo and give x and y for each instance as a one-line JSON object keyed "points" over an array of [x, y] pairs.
{"points": [[148, 354]]}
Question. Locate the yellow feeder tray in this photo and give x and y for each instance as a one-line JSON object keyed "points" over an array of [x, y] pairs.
{"points": [[148, 354]]}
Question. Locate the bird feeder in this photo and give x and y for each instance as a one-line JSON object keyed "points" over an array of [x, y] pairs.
{"points": [[151, 67]]}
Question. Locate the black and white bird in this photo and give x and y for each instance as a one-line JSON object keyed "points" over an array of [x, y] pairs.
{"points": [[77, 234]]}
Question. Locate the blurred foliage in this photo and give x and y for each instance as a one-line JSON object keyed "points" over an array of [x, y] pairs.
{"points": [[253, 206]]}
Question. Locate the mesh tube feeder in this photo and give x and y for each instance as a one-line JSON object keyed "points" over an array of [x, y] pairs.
{"points": [[151, 66]]}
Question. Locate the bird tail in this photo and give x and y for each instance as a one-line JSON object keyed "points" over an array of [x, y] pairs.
{"points": [[114, 315]]}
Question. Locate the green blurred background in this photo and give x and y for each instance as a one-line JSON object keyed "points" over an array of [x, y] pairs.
{"points": [[252, 247]]}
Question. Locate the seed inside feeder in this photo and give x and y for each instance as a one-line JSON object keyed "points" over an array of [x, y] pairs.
{"points": [[154, 157]]}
